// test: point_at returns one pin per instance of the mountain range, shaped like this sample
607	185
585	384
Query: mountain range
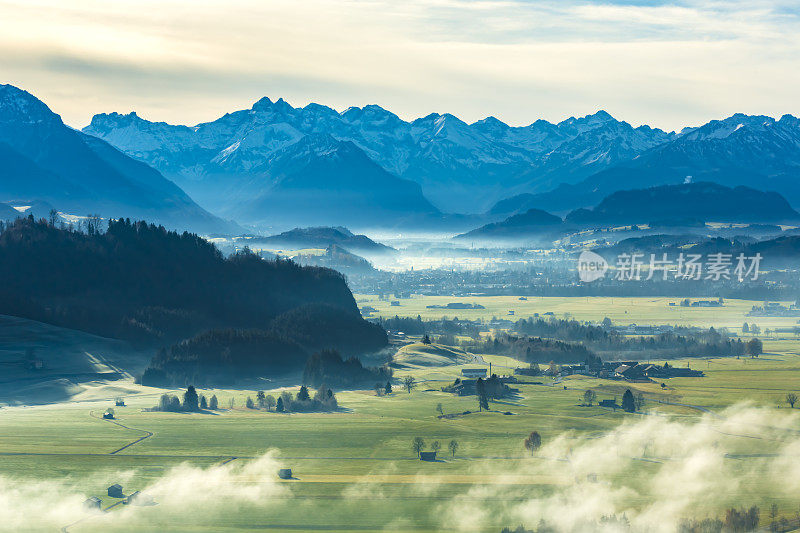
44	160
755	151
487	166
278	166
462	168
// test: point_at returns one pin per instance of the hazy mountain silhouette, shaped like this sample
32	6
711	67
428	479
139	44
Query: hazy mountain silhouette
43	159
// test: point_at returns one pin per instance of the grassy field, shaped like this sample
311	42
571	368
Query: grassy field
639	310
355	469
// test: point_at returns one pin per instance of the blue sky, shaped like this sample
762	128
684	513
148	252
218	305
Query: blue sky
667	64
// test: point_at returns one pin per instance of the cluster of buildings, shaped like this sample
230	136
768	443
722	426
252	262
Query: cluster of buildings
634	371
774	309
495	386
701	303
115	491
634	329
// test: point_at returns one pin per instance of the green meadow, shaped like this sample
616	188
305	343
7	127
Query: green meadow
638	310
355	470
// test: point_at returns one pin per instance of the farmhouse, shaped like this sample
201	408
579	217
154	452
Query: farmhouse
630	370
462	387
609	403
473	372
115	491
92	503
668	371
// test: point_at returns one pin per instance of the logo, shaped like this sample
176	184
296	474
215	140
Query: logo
591	266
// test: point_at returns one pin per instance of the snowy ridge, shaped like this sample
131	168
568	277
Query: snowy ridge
451	159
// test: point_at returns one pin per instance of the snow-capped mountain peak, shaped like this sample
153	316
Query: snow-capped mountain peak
440	151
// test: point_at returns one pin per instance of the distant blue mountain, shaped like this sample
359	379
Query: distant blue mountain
532	223
320	180
323	237
755	151
43	159
676	206
462	168
483	167
707	202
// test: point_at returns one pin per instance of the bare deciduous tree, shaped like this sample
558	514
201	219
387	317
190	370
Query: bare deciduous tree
418	445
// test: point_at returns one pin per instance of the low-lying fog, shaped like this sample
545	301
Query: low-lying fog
653	470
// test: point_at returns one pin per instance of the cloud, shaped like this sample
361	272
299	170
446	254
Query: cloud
665	63
184	494
651	473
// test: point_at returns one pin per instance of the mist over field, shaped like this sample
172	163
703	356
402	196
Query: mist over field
185	494
649	474
693	469
430	266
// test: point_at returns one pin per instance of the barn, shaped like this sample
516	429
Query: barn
92	503
285	473
115	491
427	456
473	372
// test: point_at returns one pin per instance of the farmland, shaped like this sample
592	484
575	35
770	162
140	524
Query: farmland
722	437
639	310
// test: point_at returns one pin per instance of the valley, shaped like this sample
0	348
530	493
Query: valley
502	267
355	469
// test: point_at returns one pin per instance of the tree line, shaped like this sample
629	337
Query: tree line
226	356
323	400
139	282
529	349
327	367
680	342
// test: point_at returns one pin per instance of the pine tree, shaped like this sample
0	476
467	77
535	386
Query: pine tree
280	407
480	390
628	402
203	402
214	403
303	395
190	400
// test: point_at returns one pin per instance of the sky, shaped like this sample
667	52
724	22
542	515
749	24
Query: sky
666	64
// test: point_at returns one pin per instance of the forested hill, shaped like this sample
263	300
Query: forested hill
142	283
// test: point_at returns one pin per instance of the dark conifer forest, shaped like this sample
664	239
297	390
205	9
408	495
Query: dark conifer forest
328	368
152	287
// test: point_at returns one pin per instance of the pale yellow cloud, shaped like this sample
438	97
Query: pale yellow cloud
666	64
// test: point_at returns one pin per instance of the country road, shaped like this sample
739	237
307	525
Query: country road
147	435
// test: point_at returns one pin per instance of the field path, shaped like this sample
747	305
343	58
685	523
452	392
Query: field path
147	434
